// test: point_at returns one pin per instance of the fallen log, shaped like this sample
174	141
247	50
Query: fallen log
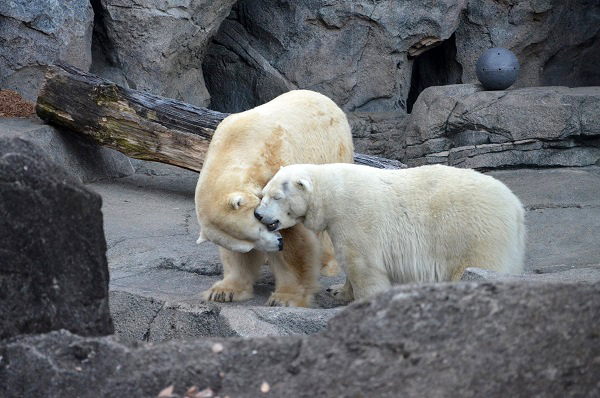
138	124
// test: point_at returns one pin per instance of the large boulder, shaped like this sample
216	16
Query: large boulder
156	45
462	339
53	269
461	125
356	52
34	34
557	42
76	154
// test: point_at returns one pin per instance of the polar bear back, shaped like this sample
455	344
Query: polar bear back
299	126
423	224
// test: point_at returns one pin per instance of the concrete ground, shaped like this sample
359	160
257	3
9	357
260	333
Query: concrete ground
157	270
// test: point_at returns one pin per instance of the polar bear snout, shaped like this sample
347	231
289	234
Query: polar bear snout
271	224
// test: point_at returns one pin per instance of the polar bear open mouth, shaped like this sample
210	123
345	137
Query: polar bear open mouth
273	226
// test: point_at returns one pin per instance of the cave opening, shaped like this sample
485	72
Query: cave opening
435	67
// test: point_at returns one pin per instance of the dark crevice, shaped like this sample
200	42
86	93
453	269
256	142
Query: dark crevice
101	44
435	67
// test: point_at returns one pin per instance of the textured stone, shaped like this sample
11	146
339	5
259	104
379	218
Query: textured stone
140	318
355	52
562	215
145	318
53	270
76	154
369	56
581	274
37	33
378	133
461	125
556	42
463	339
156	45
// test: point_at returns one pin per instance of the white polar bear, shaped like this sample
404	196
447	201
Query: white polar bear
246	150
425	224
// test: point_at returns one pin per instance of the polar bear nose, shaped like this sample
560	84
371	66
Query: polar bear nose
258	216
280	241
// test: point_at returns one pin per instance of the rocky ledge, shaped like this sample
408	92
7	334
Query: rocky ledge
465	126
469	339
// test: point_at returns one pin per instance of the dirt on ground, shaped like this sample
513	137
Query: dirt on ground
13	105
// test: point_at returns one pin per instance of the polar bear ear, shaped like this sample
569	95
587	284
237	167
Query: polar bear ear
304	184
236	200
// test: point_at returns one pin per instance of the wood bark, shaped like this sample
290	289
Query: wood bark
138	124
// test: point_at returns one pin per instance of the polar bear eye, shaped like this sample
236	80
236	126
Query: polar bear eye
278	196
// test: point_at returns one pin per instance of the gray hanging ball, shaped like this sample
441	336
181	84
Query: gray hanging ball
497	68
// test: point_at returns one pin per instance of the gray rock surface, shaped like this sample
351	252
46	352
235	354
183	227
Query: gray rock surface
562	215
461	125
355	52
367	56
156	45
378	133
557	42
36	33
143	318
76	154
431	340
53	269
589	273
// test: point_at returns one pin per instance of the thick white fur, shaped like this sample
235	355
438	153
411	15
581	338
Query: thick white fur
423	224
246	150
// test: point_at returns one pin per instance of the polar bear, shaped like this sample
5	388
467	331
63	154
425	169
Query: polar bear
246	150
425	224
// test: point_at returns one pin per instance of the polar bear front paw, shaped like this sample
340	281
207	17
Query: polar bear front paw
287	300
223	295
340	292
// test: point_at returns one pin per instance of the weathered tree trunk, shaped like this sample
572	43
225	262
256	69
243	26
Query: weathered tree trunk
138	124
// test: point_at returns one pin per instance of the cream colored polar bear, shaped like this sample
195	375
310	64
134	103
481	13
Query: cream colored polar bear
424	224
246	150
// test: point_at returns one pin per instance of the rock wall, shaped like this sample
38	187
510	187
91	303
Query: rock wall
374	56
367	56
356	52
557	42
36	33
156	45
374	59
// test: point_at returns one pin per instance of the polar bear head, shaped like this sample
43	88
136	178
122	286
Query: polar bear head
285	198
227	219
